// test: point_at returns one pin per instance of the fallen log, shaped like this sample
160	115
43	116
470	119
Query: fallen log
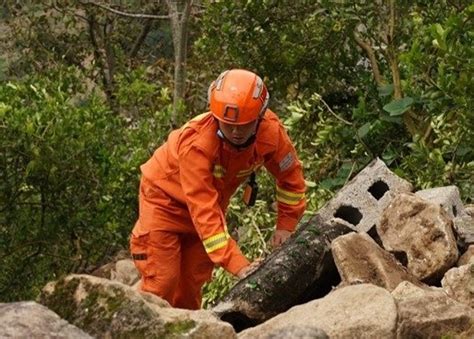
300	270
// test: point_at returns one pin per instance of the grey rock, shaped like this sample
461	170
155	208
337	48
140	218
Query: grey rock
296	332
448	197
360	260
429	313
467	257
27	319
105	308
358	311
422	231
458	283
464	227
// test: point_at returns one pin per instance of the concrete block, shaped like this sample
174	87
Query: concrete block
448	197
362	201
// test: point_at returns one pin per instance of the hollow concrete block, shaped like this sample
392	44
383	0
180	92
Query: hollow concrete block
362	201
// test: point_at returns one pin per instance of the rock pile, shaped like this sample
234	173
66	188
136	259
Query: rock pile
404	264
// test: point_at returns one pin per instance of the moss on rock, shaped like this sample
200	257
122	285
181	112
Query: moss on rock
179	327
108	309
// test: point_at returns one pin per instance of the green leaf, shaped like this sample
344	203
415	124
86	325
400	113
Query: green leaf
362	131
439	30
331	184
396	119
463	150
399	106
385	90
3	109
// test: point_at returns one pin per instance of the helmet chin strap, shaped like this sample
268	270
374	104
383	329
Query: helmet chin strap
246	144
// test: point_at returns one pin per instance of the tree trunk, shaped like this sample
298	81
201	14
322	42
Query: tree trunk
301	270
179	11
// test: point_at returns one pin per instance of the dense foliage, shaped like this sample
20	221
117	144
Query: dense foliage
69	172
84	101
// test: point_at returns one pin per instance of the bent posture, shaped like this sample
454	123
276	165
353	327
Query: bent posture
186	186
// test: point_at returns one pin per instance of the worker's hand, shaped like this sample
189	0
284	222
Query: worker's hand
243	272
279	237
249	269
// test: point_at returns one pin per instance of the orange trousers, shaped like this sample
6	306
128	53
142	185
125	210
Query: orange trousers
172	265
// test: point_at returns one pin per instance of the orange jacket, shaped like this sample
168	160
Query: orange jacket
198	173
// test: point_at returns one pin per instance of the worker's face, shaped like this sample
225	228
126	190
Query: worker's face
238	134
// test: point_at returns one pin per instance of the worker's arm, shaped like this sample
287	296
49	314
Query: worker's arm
285	166
209	220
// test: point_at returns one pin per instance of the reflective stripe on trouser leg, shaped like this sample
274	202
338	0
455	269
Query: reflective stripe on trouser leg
196	269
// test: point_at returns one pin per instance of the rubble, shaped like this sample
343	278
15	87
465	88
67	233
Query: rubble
421	231
362	201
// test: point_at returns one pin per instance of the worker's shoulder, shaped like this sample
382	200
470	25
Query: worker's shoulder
200	132
269	129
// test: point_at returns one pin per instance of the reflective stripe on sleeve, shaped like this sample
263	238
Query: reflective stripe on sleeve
216	241
219	171
244	173
289	198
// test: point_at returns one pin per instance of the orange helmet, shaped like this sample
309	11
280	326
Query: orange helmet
238	97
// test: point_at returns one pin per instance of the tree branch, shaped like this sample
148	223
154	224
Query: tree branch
125	14
391	22
332	112
371	55
98	56
141	38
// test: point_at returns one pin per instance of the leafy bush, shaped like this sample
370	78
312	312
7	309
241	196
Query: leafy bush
69	179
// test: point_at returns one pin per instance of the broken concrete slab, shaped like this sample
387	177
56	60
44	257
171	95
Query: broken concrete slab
448	197
458	283
362	200
429	313
360	260
422	231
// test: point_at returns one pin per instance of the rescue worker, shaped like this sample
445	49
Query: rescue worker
186	185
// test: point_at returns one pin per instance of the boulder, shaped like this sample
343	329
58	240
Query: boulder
469	208
358	311
121	269
429	313
458	283
464	227
125	272
448	197
105	308
422	233
360	260
27	319
467	257
292	331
